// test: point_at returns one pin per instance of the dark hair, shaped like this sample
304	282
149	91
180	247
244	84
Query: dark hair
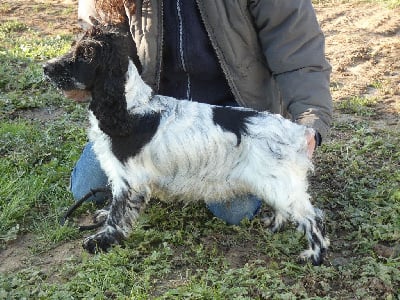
115	11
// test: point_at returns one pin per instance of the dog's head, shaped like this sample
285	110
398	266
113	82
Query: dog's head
101	54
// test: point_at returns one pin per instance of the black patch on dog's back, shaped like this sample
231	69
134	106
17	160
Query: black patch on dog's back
232	119
142	130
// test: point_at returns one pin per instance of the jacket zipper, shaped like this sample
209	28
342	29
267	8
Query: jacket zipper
160	13
235	92
181	54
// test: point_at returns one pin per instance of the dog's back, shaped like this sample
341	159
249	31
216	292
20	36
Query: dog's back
192	151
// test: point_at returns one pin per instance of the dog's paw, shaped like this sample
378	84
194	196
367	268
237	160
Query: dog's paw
274	222
102	241
315	257
100	216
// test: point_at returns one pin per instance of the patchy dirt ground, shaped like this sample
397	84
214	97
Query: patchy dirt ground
47	17
362	44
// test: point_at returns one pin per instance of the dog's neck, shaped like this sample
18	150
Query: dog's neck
137	92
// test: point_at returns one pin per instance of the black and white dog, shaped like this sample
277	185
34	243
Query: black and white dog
157	146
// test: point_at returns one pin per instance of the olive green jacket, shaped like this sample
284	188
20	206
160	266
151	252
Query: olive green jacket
271	51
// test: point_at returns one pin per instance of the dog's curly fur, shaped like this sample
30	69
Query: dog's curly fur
157	146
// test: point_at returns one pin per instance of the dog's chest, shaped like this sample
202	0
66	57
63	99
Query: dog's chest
141	132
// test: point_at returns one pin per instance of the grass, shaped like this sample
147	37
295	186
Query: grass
180	252
389	3
360	106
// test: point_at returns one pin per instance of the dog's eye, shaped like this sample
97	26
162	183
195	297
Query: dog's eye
85	54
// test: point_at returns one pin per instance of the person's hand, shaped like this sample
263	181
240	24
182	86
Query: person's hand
311	143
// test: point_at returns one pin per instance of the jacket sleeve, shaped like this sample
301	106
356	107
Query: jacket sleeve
294	46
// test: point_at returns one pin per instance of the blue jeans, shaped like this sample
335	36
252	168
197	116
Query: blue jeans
88	175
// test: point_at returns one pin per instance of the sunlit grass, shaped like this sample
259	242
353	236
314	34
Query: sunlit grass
362	106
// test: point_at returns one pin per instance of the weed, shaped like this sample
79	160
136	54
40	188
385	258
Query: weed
21	80
12	26
361	106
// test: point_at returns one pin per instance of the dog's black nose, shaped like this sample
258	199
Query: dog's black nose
46	68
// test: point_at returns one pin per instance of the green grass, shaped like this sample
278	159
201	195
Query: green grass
21	80
34	162
35	156
180	252
389	3
360	106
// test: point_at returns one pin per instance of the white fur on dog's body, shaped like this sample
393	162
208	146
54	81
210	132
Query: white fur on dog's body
189	147
191	158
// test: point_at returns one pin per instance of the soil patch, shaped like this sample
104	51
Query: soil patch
47	17
19	254
363	46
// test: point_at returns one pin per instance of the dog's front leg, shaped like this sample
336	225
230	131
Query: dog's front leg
124	210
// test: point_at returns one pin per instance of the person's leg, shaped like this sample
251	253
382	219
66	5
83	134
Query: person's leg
237	209
88	175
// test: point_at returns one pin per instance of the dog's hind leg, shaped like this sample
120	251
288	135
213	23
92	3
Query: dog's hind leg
314	229
124	210
294	204
310	222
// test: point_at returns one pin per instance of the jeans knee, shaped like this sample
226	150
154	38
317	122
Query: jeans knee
233	212
87	175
